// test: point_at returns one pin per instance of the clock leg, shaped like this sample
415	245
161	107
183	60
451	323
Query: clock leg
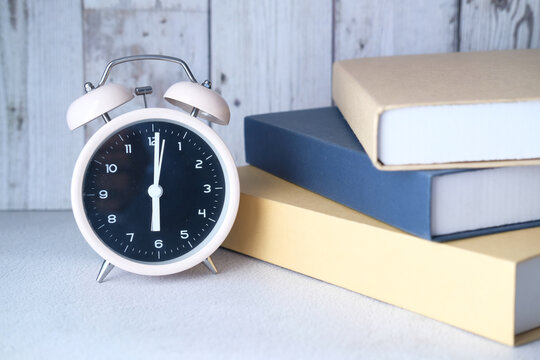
210	265
106	268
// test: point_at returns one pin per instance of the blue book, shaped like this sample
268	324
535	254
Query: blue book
316	149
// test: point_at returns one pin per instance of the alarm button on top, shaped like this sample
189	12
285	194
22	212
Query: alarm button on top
96	103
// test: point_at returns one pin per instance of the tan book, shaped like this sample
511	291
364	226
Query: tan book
456	110
487	285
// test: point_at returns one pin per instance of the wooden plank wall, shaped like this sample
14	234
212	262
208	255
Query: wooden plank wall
40	72
269	56
263	56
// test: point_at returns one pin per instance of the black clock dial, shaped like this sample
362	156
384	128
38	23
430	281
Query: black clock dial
154	191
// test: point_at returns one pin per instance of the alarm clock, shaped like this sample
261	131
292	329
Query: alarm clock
154	191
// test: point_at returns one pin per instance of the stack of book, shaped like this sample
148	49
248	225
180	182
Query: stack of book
420	189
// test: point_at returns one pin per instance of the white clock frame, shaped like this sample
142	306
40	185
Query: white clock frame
223	224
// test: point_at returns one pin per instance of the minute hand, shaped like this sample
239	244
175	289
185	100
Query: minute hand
156	158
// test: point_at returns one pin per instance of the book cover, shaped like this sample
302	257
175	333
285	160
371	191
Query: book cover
436	111
317	150
486	285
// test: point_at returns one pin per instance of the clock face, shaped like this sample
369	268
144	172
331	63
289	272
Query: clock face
154	191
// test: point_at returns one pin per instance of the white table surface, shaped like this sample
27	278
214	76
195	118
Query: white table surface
51	307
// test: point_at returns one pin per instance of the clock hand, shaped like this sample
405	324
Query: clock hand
155	191
160	162
156	158
156	224
156	214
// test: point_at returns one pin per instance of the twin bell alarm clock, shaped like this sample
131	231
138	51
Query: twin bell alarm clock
154	191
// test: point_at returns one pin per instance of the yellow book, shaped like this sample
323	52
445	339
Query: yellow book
487	285
438	111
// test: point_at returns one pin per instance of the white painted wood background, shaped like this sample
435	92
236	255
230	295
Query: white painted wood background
264	55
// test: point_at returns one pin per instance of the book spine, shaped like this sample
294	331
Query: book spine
401	199
359	109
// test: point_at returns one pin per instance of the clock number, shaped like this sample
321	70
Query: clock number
202	212
179	146
131	235
158	244
184	234
111	168
103	194
111	219
128	148
198	164
151	140
207	188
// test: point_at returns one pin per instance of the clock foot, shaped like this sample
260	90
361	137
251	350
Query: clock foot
210	265
106	268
